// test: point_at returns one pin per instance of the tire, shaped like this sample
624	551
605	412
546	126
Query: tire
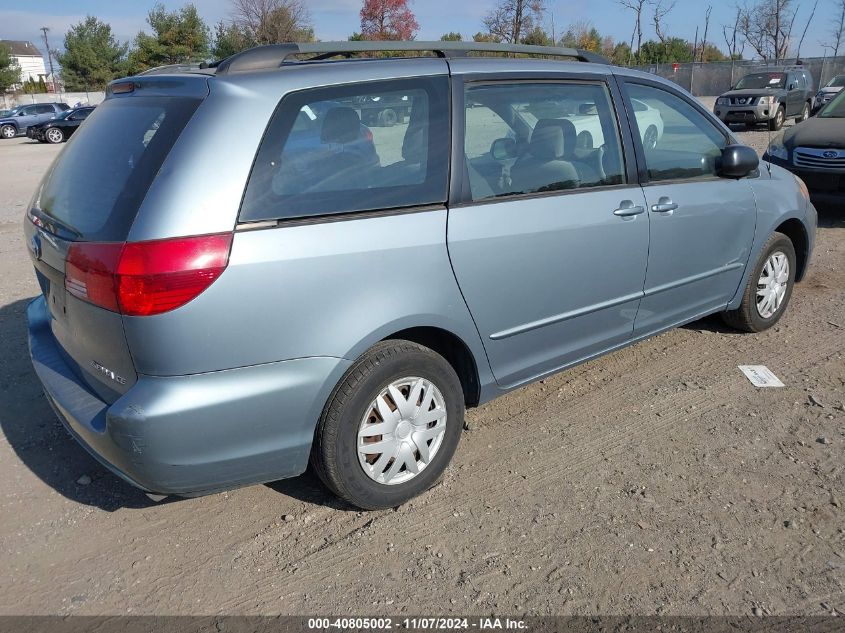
749	317
776	122
805	113
387	117
335	455
54	136
8	131
650	138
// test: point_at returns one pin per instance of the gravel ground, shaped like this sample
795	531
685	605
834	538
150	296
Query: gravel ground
653	480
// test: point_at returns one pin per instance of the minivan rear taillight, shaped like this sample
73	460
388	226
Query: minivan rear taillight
145	278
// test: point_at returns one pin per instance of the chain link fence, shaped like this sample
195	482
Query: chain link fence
715	78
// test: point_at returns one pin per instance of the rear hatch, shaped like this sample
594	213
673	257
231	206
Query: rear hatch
83	210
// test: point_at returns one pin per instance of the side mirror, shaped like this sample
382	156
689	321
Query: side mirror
21	113
738	161
503	149
793	86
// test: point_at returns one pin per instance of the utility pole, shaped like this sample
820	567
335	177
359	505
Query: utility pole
45	29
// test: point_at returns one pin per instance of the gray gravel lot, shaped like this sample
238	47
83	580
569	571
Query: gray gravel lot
653	480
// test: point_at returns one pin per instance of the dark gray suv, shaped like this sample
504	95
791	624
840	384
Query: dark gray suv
770	96
223	303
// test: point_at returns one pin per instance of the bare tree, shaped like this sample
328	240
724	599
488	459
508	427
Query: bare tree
660	12
767	27
637	6
804	34
736	46
706	28
273	21
837	32
512	19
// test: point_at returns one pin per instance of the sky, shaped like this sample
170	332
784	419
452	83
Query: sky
337	19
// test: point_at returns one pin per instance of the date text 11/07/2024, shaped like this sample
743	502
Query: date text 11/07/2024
417	624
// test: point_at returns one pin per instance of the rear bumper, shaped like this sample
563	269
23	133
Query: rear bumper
192	434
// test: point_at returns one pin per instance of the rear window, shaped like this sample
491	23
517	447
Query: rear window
95	187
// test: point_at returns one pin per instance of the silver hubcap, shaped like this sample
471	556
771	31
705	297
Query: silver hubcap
402	430
771	287
8	131
54	135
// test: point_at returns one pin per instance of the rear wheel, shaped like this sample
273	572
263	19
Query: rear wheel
776	122
769	287
390	427
8	131
54	135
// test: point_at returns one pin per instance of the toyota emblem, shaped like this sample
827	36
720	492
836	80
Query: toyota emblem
35	247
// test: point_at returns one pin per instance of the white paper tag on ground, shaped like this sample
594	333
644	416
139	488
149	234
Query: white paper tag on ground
760	376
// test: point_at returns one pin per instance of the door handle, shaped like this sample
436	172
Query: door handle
628	208
664	205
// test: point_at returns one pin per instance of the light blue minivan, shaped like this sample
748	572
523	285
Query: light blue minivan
239	276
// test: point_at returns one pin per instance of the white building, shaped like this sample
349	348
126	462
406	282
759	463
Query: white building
29	58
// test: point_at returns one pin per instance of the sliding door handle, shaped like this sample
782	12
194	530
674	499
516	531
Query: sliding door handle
664	205
628	208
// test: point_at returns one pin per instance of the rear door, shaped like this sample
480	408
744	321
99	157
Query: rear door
44	112
91	195
548	236
701	225
26	116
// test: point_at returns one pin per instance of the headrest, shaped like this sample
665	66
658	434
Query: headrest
414	147
341	125
546	142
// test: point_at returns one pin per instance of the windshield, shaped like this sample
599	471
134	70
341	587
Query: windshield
762	80
836	108
836	82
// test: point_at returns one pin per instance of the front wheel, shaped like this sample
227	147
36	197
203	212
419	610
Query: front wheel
776	122
390	427
54	135
650	138
8	131
769	287
805	114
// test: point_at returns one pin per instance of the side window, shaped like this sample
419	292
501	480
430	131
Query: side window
536	137
28	111
44	109
678	141
357	147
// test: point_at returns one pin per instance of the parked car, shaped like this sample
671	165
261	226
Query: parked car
815	151
825	95
769	96
61	128
22	117
4	113
204	327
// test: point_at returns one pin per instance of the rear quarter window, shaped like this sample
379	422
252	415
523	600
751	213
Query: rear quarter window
356	147
94	188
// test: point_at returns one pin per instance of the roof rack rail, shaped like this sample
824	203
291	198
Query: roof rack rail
274	55
171	68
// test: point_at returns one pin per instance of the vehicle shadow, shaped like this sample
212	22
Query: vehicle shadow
36	435
308	488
